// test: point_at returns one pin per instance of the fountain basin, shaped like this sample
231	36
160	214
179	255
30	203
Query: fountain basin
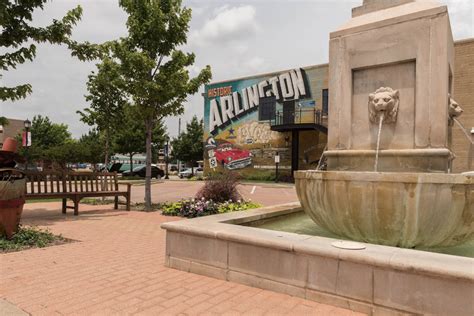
396	209
376	280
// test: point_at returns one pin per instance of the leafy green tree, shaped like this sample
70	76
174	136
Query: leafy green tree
44	135
129	139
188	147
70	152
89	148
107	98
47	134
155	70
18	38
92	147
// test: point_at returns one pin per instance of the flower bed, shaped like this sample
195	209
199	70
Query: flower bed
201	207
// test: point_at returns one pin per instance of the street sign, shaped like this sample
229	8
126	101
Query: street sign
213	163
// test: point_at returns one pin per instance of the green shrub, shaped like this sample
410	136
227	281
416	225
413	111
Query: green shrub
260	176
267	176
172	209
228	207
29	237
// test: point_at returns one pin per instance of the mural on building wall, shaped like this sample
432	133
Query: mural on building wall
237	131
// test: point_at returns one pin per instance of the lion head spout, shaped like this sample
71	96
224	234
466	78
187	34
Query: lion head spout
384	101
454	109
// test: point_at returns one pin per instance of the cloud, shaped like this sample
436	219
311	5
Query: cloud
461	13
237	38
228	24
253	64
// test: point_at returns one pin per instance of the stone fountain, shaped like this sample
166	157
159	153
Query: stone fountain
388	184
391	72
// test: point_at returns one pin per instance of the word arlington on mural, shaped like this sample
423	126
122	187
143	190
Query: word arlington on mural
286	86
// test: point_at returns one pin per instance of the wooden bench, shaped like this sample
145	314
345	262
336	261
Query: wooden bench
74	186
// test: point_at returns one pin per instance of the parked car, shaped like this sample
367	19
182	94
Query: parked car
141	171
112	167
233	158
188	172
31	167
173	168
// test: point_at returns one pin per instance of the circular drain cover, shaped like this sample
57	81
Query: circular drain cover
350	245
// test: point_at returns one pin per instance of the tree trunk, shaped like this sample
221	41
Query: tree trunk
131	163
148	128
106	169
106	150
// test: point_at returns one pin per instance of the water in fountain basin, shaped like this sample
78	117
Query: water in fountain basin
300	223
378	143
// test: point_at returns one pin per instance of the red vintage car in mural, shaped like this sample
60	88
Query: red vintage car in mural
232	157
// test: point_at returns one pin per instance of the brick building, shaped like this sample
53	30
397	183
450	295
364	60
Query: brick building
12	129
463	93
247	121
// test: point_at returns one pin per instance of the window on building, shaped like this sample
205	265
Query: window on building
266	109
325	100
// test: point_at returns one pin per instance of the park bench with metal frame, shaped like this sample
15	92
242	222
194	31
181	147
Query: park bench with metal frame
75	186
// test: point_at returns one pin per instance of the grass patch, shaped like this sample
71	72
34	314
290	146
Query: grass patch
30	237
141	207
42	200
132	178
138	182
97	201
266	176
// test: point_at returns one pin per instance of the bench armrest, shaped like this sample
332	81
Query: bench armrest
128	184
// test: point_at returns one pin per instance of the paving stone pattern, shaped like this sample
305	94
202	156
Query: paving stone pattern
116	267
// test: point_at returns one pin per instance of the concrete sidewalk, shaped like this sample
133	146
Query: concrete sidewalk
117	267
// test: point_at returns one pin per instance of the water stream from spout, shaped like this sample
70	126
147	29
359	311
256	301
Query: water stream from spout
378	143
321	158
469	138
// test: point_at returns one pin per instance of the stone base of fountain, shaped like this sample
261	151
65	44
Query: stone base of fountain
376	280
396	209
391	160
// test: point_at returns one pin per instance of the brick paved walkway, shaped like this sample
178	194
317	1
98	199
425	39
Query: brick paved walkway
266	194
117	267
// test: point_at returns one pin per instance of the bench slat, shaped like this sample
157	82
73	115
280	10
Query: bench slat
38	181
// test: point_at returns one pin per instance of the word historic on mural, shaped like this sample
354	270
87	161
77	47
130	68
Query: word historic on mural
286	86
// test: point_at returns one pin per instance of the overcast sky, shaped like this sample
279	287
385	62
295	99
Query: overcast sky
237	38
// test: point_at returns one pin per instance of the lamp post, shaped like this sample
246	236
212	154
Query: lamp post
27	125
167	151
